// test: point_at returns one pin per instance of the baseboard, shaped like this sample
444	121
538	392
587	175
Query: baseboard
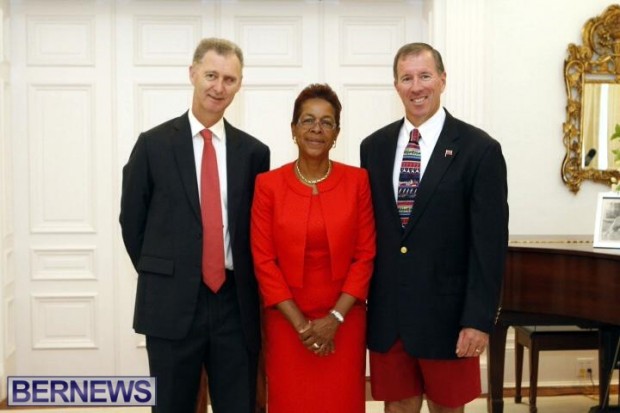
556	391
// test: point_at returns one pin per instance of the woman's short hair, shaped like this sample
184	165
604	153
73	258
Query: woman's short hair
317	91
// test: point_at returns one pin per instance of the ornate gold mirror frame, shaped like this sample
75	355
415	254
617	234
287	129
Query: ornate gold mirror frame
592	76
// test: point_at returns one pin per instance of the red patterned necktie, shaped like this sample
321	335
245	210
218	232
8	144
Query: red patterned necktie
213	270
409	177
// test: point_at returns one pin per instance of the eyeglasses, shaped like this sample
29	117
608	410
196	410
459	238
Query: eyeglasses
325	124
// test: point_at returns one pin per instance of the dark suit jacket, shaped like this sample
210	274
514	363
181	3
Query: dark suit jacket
162	228
442	272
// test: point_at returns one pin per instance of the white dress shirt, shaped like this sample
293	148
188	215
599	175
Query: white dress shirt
219	143
429	134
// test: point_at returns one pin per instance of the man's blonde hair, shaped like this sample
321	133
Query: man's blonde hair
220	46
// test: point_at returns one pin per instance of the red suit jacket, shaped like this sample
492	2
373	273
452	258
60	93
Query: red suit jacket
278	232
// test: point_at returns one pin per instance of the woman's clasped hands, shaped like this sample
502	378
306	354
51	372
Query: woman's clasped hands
318	335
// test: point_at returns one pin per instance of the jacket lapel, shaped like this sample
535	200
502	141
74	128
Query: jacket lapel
385	168
236	176
446	150
183	148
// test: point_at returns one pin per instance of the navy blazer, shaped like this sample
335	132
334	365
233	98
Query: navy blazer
162	228
444	270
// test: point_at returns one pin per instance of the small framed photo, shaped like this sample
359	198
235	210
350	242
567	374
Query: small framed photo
607	224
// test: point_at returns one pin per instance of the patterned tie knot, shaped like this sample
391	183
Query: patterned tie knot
415	136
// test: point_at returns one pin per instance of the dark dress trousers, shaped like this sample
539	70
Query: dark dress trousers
444	270
162	231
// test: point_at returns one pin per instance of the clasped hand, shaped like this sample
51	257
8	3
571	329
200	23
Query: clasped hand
318	335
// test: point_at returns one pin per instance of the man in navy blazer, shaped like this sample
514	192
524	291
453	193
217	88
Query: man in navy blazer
435	290
187	324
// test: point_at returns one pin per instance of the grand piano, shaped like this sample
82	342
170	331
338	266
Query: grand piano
558	281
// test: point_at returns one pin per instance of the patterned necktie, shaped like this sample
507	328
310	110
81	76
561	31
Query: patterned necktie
213	270
409	177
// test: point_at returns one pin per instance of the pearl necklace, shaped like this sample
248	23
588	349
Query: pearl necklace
312	181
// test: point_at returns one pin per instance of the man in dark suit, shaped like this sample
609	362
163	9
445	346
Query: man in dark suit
188	324
440	200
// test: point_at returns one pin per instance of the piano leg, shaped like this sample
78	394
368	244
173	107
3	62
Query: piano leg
495	363
607	361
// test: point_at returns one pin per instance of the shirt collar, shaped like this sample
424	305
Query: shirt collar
429	130
217	129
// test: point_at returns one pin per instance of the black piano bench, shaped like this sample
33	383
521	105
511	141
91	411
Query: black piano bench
541	338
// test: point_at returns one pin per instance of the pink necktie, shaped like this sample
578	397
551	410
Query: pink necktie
213	270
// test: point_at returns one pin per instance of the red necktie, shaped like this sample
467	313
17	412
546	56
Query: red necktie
213	271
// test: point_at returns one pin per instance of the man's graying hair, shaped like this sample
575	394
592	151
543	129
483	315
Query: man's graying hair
220	46
415	49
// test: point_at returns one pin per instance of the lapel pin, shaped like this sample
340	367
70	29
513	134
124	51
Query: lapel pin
448	153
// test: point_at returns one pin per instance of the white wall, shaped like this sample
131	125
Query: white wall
527	44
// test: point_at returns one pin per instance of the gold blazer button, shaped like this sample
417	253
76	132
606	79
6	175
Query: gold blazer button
403	250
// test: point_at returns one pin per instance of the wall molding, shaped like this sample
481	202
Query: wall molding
64	321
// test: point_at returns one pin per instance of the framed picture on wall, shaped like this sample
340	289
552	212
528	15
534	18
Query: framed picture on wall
607	224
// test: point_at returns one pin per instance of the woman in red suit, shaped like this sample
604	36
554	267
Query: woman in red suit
313	242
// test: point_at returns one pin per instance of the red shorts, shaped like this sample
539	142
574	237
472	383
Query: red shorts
396	375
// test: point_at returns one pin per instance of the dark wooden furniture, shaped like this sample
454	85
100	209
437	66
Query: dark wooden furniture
558	282
543	338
